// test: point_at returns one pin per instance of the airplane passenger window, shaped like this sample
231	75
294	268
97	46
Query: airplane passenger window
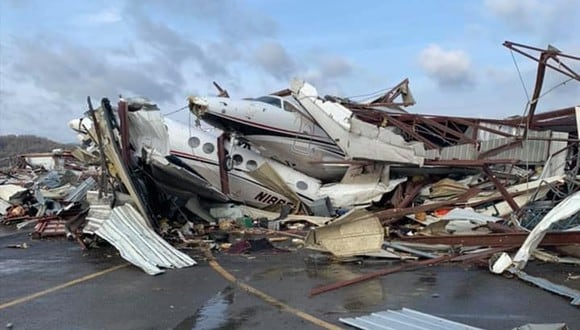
238	159
193	142
270	100
251	165
208	148
301	185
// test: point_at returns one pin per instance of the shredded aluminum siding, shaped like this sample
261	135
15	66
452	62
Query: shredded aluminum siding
81	191
129	232
549	286
404	319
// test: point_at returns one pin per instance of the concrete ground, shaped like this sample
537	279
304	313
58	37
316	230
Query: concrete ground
199	298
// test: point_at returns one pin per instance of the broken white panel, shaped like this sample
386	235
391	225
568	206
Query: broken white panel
3	206
359	188
356	138
269	177
536	189
556	164
147	129
129	232
355	233
543	326
8	191
564	210
194	206
470	215
233	211
503	208
57	193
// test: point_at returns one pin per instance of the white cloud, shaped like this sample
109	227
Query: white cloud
547	19
274	59
105	16
450	68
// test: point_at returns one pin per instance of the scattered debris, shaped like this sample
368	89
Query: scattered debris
404	318
350	179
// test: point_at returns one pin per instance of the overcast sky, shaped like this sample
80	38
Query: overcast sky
53	54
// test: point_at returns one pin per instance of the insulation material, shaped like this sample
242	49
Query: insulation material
355	233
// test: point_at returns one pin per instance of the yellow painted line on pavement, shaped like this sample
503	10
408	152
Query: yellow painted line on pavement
60	287
269	299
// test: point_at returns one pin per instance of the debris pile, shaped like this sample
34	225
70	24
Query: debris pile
352	179
46	191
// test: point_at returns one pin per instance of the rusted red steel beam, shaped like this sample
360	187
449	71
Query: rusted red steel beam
445	129
510	44
508	198
386	271
481	127
387	216
469	162
411	193
123	110
409	130
544	57
552	53
496	240
224	176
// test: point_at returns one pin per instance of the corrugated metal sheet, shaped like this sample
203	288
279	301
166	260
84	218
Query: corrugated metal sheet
404	319
129	232
549	286
81	190
535	151
98	214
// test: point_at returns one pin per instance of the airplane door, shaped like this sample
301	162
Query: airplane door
302	143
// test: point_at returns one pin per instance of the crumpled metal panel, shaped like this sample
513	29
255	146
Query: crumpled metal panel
81	190
549	286
3	206
139	244
404	319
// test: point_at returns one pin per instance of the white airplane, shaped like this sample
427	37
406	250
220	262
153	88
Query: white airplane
292	130
185	161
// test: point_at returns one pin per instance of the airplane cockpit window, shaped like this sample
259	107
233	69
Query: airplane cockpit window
270	100
289	107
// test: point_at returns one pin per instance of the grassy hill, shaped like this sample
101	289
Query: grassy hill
12	145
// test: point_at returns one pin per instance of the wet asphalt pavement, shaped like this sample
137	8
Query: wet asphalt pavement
199	298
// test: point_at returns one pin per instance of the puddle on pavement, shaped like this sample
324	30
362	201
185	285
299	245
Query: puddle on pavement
428	279
214	314
279	273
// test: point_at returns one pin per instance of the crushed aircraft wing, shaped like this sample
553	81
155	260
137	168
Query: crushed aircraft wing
357	138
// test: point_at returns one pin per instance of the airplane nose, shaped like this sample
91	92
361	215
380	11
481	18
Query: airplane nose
74	124
197	105
80	125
